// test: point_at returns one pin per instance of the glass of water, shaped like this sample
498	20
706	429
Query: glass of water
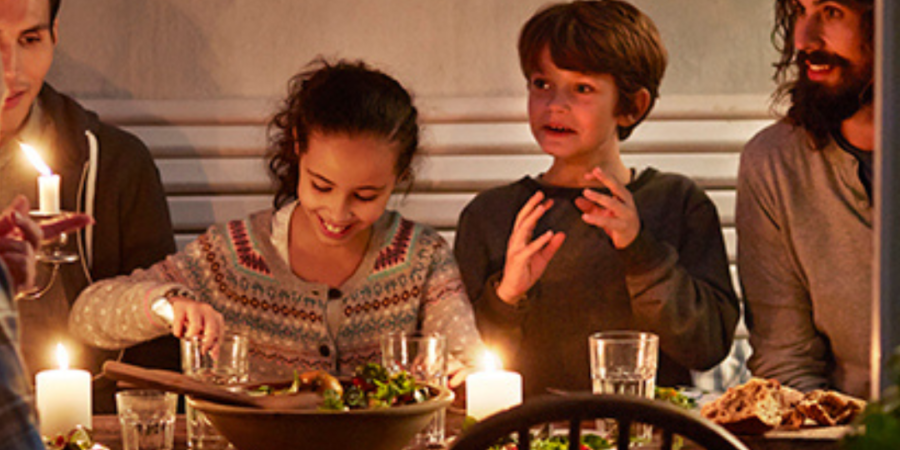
147	418
624	362
227	365
424	357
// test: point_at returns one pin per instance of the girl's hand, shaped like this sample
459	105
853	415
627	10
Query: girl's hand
527	259
456	372
193	318
615	213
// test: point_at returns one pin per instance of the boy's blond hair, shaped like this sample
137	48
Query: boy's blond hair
601	37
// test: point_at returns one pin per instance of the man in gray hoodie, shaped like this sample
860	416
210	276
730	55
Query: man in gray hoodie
105	172
805	208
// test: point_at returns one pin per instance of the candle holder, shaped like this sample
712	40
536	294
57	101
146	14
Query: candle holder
51	251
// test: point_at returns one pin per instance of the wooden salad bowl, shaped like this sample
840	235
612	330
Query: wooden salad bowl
251	428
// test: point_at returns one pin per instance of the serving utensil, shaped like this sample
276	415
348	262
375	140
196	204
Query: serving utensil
182	384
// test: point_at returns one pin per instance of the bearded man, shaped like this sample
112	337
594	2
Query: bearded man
805	207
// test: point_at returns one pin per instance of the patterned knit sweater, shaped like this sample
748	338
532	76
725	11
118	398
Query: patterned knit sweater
407	281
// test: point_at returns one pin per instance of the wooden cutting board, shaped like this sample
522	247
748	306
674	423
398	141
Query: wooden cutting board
812	433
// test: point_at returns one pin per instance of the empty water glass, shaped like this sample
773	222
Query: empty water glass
624	362
147	419
424	357
227	365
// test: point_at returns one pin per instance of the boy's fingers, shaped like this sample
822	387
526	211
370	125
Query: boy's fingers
607	203
528	207
618	190
531	220
537	244
525	223
555	243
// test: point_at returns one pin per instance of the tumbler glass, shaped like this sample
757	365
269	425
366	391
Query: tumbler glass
227	365
424	357
624	362
147	418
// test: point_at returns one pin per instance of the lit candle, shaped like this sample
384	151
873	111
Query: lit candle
492	390
63	397
48	183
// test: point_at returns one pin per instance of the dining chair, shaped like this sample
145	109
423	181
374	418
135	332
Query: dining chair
575	408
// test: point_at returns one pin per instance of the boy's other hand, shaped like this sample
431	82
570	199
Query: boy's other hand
526	259
616	214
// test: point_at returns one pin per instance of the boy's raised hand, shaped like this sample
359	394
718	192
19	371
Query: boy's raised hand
526	259
615	213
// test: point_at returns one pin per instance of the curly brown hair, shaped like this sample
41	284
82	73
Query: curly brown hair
346	98
602	36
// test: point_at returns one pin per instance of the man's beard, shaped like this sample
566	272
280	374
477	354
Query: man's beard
821	108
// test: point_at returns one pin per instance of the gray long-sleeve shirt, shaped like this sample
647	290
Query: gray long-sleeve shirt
672	280
805	247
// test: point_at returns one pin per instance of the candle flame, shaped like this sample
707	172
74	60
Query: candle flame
62	357
36	159
490	361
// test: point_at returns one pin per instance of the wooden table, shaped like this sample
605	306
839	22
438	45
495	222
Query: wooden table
107	432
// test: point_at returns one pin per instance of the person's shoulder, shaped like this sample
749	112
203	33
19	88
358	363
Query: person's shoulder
502	198
112	138
670	191
775	141
653	179
243	234
69	113
399	229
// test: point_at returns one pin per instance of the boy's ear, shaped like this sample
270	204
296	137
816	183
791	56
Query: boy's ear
640	104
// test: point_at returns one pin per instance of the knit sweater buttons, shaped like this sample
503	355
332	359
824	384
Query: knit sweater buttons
325	350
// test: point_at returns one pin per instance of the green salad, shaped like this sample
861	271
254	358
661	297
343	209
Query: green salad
373	387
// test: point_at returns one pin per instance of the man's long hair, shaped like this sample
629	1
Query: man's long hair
807	108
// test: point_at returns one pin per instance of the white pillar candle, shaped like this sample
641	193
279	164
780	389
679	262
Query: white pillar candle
63	398
492	390
48	183
48	194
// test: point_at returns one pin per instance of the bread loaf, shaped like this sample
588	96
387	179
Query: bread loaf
761	405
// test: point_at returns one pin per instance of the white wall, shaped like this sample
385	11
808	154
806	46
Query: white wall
215	49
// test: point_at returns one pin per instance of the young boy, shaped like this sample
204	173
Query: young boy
591	245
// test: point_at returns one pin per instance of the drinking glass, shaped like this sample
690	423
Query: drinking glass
228	365
624	362
147	418
424	357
